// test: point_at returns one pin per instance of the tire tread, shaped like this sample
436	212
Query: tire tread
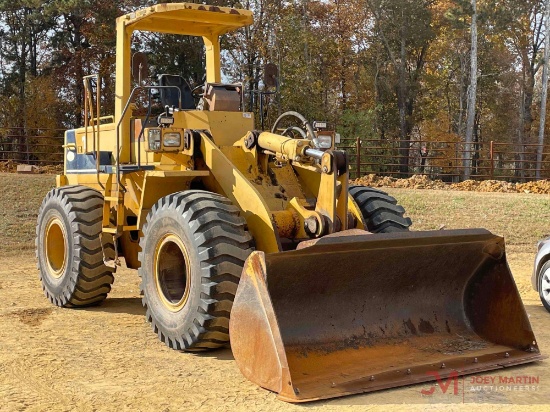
90	279
380	211
223	245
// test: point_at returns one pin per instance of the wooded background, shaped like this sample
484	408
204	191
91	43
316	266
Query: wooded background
394	72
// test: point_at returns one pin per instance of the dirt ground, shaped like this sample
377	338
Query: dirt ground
107	358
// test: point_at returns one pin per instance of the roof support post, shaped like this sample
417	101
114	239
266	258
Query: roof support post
123	84
213	65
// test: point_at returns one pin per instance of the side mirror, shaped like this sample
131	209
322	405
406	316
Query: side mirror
271	75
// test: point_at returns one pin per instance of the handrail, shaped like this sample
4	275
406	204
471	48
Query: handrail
110	117
88	100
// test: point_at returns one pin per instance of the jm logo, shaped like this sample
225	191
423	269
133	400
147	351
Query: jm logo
443	383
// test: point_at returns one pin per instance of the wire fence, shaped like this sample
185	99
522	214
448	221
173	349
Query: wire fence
436	159
31	146
444	160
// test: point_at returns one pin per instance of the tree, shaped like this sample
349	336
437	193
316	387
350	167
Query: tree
83	43
521	24
20	37
544	92
470	118
404	27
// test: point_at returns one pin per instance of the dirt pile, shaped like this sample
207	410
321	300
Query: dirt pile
485	186
413	182
541	186
419	182
9	166
424	182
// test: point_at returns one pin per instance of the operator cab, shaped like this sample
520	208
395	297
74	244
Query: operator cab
170	96
206	96
175	92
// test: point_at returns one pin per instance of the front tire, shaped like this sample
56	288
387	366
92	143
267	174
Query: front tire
193	250
68	247
544	285
380	211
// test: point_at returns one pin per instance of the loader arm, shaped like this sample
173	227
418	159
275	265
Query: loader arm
239	189
324	173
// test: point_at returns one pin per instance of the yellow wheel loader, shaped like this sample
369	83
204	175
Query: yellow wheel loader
254	238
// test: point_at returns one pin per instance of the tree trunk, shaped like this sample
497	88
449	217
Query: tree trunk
402	107
76	22
462	101
22	104
378	125
472	91
518	157
526	116
544	95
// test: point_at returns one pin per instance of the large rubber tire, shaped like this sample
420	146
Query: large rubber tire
193	249
544	285
380	211
68	247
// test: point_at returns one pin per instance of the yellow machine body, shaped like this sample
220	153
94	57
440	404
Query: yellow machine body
346	314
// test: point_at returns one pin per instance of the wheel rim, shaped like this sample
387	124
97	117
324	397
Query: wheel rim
170	272
545	285
55	245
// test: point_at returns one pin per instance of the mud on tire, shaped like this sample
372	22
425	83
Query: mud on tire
193	250
380	211
68	247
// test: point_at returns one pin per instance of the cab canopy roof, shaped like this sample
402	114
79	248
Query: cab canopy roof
187	19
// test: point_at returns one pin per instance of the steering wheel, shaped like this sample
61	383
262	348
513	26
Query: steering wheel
198	91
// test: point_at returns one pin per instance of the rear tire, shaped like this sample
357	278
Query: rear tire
68	247
193	250
380	211
544	285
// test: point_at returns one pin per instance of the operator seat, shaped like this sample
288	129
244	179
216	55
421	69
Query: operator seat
169	97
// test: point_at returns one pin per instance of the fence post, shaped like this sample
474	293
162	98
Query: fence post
358	158
492	159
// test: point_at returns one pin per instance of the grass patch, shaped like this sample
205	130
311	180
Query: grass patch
20	198
522	219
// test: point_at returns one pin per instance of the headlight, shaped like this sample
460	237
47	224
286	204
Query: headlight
323	142
154	139
172	139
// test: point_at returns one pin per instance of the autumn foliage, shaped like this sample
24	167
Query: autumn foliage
396	71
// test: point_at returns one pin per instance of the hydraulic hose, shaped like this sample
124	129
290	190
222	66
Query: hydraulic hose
304	121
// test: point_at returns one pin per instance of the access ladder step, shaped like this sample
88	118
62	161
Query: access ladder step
112	199
114	230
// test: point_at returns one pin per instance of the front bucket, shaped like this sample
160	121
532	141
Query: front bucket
361	313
